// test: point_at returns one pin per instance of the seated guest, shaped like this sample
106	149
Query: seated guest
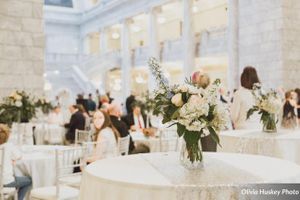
136	120
56	117
297	90
103	100
86	117
115	114
106	135
129	101
105	107
77	121
289	118
21	183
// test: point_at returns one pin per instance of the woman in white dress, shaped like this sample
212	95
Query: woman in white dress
106	137
243	100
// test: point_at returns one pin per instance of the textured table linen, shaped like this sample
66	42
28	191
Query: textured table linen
159	176
285	144
38	162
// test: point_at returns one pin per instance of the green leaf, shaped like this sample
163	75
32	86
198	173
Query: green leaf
175	115
251	111
191	137
214	135
166	120
180	129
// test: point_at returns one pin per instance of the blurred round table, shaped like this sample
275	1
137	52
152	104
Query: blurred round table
155	143
285	144
159	176
38	162
49	133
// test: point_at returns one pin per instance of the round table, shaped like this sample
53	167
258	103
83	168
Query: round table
155	143
38	162
159	176
285	144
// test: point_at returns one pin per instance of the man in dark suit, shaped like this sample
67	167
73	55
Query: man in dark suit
84	102
135	120
77	121
115	114
129	101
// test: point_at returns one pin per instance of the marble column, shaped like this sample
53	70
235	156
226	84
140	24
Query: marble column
153	43
233	49
103	41
126	59
188	39
86	45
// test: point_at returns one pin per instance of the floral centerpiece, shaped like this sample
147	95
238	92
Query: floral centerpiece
44	105
196	112
268	104
18	107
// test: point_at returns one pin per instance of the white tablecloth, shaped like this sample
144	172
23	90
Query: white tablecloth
159	176
38	162
285	144
49	133
166	144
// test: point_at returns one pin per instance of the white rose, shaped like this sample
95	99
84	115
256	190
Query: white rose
177	100
18	103
18	97
183	88
13	94
195	100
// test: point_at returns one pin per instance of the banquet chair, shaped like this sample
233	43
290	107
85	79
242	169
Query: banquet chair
5	192
123	145
82	136
168	140
66	160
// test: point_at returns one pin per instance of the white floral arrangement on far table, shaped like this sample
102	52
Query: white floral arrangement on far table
268	104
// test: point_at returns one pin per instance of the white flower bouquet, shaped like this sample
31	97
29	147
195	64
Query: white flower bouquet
17	107
196	112
268	104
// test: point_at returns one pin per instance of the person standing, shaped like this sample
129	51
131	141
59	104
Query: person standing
77	121
289	118
244	100
91	104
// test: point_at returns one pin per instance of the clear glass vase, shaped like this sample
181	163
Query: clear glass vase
269	125
191	156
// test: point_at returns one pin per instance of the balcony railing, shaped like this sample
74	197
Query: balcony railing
212	42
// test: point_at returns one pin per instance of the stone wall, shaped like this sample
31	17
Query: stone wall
269	40
291	43
21	46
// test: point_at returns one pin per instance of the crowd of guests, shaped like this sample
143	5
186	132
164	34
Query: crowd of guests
108	120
